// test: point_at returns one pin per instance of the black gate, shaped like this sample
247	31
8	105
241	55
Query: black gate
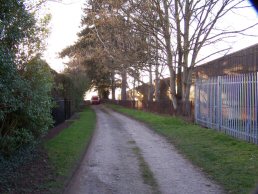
61	111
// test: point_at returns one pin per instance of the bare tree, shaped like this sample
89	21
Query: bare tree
197	25
154	18
184	28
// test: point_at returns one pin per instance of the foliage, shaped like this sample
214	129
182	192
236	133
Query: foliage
106	45
11	100
231	162
79	84
37	111
89	64
16	21
9	165
10	84
67	147
22	30
71	85
25	104
25	80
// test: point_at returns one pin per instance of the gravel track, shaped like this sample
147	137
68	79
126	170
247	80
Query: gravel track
111	166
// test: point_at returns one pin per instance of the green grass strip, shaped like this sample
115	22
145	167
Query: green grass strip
230	162
66	149
146	172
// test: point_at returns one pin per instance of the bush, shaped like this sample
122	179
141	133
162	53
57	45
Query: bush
11	86
10	165
71	85
25	80
25	103
37	110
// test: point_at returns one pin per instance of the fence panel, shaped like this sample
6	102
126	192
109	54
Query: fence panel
229	104
206	105
61	111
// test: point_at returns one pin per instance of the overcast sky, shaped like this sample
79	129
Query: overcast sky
64	27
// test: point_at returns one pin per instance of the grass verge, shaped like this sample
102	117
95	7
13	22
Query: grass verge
230	162
67	148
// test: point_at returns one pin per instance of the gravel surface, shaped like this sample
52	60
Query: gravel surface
111	166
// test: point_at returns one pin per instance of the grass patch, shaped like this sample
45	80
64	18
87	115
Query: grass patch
66	149
147	174
232	163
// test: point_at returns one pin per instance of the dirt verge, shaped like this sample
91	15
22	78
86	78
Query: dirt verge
35	174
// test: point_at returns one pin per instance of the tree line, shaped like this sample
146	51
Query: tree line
122	39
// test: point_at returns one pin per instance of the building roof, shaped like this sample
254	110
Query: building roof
242	61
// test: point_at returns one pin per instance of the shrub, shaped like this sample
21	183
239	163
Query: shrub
25	80
25	103
37	110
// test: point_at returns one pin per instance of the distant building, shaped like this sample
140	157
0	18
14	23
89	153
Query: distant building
240	62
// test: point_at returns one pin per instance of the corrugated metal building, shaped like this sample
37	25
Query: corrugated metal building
240	62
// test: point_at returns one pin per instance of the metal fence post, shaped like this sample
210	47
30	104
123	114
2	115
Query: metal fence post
196	99
219	104
256	107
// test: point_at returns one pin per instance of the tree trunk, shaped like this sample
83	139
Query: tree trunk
150	92
157	79
157	84
166	29
186	91
172	87
186	72
124	83
180	52
179	82
113	89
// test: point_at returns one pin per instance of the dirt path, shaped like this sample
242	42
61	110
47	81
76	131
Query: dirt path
112	166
